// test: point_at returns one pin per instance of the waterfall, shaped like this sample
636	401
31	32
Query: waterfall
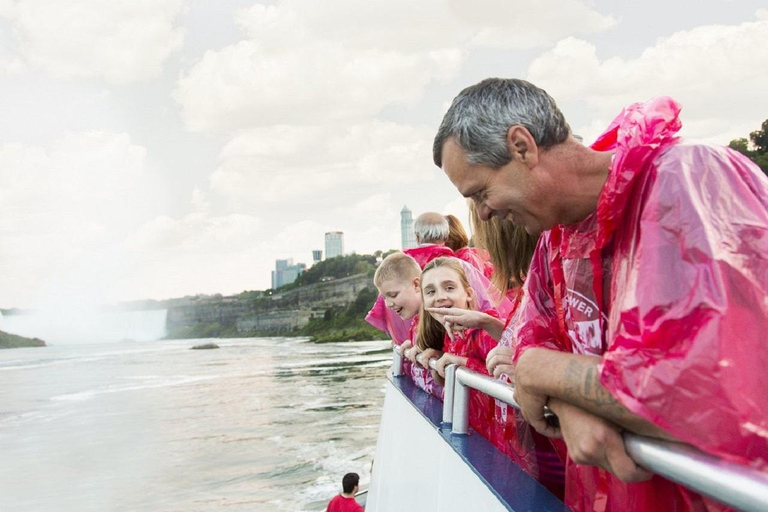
87	326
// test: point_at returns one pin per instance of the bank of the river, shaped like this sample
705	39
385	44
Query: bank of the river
321	330
327	303
13	341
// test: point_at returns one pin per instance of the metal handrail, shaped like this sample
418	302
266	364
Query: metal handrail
450	371
733	484
736	485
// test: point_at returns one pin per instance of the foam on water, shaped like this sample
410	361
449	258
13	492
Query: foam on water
158	383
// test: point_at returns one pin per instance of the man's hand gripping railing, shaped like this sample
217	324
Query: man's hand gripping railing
733	484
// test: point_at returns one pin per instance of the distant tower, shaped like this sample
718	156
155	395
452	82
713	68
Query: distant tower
334	244
406	228
317	256
286	272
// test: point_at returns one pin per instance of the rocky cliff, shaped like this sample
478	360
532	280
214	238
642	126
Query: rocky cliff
276	313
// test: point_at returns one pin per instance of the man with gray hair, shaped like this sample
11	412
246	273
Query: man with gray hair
431	230
645	299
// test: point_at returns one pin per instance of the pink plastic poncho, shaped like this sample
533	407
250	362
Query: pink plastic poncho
421	376
500	426
478	258
474	344
535	453
423	254
667	282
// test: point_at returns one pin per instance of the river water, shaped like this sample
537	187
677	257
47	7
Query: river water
260	424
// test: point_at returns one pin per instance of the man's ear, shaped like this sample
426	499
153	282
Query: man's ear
521	146
416	283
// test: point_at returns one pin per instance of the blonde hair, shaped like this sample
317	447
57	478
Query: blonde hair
397	266
457	237
510	247
432	332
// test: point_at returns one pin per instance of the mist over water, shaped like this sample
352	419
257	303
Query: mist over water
259	424
87	325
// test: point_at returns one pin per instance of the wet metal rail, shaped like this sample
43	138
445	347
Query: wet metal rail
733	484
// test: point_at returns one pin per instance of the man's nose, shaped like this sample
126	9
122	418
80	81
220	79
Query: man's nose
483	211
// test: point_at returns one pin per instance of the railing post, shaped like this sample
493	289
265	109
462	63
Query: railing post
460	425
448	390
397	362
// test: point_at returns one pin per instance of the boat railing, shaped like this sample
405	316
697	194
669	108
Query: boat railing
736	485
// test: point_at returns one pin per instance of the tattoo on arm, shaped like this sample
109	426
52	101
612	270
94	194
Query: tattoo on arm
582	387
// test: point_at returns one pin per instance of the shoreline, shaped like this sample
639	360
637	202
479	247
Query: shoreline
8	340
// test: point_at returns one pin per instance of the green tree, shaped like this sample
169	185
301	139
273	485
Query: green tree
335	268
757	140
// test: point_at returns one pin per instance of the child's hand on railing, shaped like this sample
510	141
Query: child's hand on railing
426	355
410	352
500	362
447	359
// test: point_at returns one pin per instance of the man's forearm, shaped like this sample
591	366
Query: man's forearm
574	379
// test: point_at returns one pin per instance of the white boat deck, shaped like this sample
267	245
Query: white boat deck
420	467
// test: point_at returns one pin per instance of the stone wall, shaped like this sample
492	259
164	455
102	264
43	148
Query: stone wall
286	311
275	321
338	292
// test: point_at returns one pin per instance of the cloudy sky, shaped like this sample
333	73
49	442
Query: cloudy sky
160	148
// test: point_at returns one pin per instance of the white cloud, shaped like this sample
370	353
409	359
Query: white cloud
307	62
295	163
64	211
716	72
459	208
297	241
419	26
199	202
248	84
200	252
6	8
195	232
120	41
10	64
372	223
519	25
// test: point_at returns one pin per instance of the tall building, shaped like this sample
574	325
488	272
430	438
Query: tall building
286	272
317	256
406	228
334	244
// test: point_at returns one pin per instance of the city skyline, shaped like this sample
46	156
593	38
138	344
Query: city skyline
160	149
